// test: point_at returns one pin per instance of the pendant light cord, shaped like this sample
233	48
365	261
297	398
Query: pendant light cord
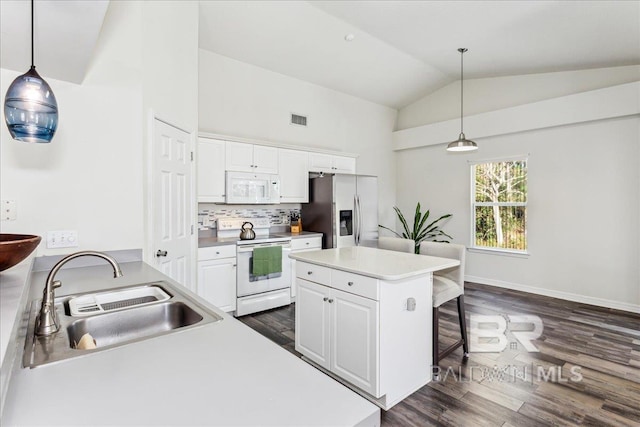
461	91
32	66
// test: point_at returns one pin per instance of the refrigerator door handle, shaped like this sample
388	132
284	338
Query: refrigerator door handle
358	217
359	220
356	225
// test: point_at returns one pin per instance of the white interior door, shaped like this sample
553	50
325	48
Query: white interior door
171	202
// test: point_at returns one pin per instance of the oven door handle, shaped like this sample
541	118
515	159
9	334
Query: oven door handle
250	248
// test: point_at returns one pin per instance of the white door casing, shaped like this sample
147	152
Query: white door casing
171	202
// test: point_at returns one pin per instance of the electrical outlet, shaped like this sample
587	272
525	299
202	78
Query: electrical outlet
8	209
62	239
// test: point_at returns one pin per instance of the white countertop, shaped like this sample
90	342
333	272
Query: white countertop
373	262
12	286
13	296
222	374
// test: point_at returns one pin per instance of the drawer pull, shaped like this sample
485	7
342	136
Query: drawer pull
307	243
350	283
217	253
309	273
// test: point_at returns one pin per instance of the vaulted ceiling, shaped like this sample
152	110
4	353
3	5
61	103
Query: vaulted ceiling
401	50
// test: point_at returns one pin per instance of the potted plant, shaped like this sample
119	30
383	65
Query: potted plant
421	230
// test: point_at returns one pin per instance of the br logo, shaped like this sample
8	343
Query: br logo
488	333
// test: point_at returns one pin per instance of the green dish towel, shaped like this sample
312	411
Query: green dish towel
267	260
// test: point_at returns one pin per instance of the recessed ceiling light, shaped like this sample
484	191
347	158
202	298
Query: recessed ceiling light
349	37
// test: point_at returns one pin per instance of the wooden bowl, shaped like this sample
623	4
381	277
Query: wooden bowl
14	248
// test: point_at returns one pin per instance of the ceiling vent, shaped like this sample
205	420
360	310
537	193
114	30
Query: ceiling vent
298	120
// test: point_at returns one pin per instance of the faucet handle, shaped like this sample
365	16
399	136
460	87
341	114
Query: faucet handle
56	284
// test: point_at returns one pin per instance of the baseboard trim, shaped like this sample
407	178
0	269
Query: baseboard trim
600	302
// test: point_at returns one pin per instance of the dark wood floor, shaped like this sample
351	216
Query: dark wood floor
516	387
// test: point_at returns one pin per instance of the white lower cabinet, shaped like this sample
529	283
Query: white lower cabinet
217	276
302	244
339	331
371	334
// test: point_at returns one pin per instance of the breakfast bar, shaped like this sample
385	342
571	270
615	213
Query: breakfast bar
363	316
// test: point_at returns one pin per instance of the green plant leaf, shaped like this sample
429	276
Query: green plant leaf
402	220
420	230
387	228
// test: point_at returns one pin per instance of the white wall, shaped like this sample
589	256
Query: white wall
170	61
489	94
584	205
243	100
91	177
169	93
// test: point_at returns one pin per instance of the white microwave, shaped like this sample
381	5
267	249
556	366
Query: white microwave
245	188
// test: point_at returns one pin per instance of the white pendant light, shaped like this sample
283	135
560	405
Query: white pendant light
30	107
462	143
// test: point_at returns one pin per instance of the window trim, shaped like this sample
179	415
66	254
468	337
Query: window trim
472	196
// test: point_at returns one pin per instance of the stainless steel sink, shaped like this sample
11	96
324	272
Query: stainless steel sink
128	325
116	328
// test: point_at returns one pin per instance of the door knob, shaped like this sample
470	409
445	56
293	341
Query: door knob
161	253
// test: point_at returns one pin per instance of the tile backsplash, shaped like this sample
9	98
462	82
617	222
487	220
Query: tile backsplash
278	214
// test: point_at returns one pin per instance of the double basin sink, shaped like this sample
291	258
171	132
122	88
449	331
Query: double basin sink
112	318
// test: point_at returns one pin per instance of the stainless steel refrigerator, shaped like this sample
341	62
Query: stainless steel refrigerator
344	208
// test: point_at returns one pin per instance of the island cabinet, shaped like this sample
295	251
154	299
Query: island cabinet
373	335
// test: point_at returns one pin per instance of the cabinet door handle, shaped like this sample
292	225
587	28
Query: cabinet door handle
325	299
161	253
350	283
330	300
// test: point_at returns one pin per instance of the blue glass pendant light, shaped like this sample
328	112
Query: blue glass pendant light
30	107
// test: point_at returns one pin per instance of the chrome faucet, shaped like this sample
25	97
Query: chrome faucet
48	323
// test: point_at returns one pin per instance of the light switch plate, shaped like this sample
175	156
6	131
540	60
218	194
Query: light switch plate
8	209
62	239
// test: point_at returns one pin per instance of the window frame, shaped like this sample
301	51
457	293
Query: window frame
495	250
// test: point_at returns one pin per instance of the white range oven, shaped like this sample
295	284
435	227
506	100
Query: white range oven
258	292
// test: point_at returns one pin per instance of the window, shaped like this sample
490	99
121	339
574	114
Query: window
499	199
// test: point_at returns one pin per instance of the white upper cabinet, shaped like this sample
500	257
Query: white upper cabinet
211	167
251	158
344	164
293	166
331	164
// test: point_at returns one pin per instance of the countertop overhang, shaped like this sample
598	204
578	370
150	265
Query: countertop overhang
378	263
220	374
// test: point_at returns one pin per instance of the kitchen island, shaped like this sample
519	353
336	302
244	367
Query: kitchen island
218	374
364	317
